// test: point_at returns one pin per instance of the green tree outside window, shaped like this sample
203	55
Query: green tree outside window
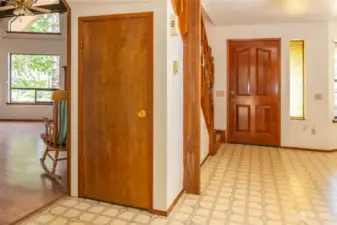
34	72
45	23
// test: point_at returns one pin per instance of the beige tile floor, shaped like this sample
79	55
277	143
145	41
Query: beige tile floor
240	185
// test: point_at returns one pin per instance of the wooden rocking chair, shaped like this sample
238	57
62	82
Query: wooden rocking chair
55	136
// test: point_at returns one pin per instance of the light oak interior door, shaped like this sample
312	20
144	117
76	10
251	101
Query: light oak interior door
116	69
254	92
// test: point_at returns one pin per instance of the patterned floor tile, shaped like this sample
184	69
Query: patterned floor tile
243	185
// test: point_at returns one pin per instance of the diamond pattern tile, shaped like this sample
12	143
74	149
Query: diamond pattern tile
244	185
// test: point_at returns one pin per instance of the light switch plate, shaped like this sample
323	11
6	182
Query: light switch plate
318	96
175	67
174	27
220	93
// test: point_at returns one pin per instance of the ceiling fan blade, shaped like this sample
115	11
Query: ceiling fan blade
7	8
28	12
9	1
40	9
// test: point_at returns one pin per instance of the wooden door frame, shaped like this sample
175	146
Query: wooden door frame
279	40
81	20
68	81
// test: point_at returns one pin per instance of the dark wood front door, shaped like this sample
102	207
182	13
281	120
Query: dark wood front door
254	92
115	79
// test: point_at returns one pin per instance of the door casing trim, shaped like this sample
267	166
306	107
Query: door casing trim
69	95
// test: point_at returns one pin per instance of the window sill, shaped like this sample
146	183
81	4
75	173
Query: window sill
28	103
33	33
297	118
27	35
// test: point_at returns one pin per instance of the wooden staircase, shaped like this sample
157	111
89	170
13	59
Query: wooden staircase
198	89
207	85
207	70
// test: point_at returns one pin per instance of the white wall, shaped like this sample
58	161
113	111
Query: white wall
318	74
160	87
331	42
35	44
209	26
175	123
204	138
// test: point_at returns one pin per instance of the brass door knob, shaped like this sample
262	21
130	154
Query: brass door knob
142	114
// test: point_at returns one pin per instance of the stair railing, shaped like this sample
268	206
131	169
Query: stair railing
207	87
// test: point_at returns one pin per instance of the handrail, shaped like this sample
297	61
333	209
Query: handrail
207	84
181	10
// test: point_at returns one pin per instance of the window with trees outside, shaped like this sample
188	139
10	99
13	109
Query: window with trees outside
44	23
297	79
33	78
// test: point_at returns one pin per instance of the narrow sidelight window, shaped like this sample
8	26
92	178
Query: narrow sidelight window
335	83
297	79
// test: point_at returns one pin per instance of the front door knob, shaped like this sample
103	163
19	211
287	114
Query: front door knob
232	96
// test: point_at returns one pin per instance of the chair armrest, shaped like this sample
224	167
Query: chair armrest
49	129
46	120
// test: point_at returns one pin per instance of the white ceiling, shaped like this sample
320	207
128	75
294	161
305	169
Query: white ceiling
237	12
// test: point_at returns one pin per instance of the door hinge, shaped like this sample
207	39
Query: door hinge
82	44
